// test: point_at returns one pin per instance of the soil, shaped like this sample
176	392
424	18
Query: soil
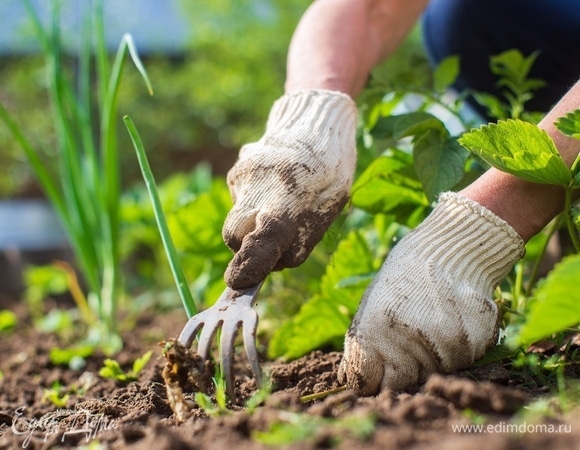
105	414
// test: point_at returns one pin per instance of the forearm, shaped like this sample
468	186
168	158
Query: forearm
567	147
528	207
338	42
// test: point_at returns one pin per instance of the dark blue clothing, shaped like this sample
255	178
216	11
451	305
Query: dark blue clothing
478	29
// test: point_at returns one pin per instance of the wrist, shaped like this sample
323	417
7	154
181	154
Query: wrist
467	241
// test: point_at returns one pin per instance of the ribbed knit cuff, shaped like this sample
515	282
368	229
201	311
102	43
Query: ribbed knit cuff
470	241
331	114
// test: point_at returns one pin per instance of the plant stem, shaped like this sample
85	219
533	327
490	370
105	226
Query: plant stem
554	226
517	290
178	275
572	229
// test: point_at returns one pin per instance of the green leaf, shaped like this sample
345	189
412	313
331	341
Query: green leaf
570	124
557	304
514	67
417	123
446	73
497	354
384	128
439	163
63	356
495	108
519	148
141	362
196	226
293	428
112	369
8	320
56	395
174	261
389	182
326	316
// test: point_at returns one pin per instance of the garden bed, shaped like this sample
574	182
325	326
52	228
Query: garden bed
137	414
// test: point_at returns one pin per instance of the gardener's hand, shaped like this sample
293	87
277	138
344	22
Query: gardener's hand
430	307
289	186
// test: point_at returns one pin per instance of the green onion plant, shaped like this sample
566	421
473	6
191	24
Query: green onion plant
81	176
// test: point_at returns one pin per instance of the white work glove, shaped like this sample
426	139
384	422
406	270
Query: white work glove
289	186
430	307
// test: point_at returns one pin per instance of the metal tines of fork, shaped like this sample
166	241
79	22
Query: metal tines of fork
232	311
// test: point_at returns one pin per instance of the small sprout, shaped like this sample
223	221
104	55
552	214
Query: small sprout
112	369
73	356
205	401
8	320
260	396
57	395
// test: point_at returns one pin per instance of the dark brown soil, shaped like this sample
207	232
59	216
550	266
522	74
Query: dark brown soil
137	415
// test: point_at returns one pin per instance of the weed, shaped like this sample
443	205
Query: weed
112	369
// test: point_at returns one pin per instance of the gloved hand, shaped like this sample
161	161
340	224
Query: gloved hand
430	307
289	186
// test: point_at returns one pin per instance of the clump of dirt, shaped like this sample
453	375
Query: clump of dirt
184	371
485	397
299	414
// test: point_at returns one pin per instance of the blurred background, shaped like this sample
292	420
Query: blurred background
216	67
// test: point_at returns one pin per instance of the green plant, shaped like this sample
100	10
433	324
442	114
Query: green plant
56	395
237	73
555	306
8	320
112	369
74	355
292	428
81	176
206	403
174	262
405	161
512	68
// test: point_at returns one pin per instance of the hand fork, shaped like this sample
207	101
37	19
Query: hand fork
232	311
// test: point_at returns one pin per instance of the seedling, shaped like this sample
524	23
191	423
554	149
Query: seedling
8	320
292	428
112	369
263	392
73	356
56	395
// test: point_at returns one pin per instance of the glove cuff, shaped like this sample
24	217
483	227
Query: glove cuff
468	241
325	114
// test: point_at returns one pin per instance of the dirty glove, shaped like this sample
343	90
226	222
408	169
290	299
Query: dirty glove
289	186
430	307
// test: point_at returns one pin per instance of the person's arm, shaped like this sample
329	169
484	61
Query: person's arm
529	207
290	185
338	42
431	308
